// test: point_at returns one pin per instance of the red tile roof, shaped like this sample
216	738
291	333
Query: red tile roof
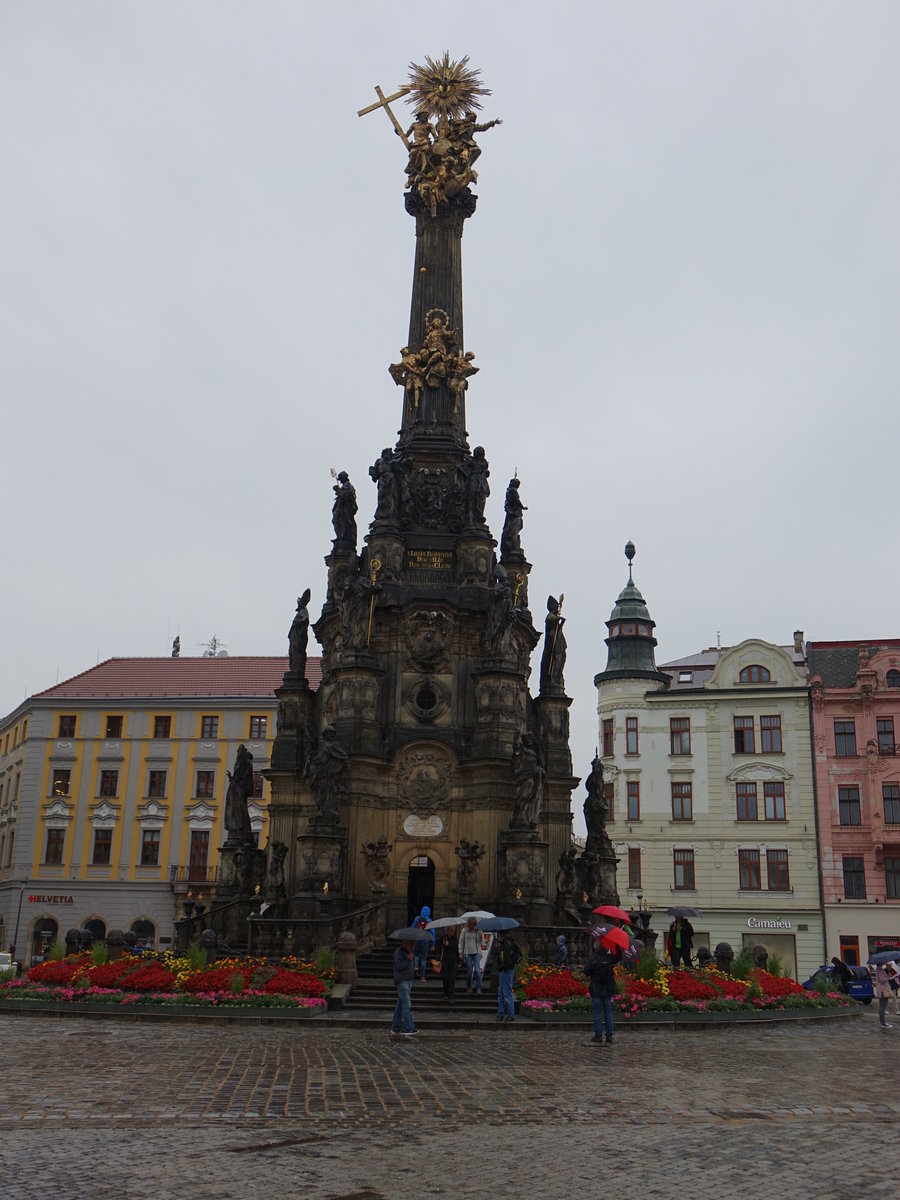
145	678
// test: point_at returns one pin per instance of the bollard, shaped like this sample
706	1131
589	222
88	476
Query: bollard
115	940
209	942
345	959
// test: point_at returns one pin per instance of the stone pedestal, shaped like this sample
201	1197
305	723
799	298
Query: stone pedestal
322	859
522	868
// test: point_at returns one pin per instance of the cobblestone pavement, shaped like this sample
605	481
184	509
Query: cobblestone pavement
108	1110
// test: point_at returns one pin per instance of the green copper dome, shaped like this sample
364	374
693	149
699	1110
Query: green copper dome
631	642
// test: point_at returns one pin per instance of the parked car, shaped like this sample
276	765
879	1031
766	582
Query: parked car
859	987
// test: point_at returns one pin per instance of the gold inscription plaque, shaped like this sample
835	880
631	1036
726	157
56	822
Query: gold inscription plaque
429	560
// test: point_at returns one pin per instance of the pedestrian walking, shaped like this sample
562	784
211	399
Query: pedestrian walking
470	951
884	992
447	967
600	969
402	1024
423	949
508	954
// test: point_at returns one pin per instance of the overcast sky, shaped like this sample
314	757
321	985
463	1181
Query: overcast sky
680	287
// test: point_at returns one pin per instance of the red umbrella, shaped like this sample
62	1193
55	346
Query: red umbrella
613	911
615	937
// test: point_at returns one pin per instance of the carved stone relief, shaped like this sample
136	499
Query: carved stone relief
424	780
427	639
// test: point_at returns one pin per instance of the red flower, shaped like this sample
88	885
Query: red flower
149	977
294	983
109	975
214	979
60	973
683	986
556	986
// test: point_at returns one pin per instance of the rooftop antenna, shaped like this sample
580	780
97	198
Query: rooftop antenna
213	647
719	640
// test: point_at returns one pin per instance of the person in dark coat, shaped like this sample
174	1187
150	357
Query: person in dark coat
680	941
449	963
402	1024
599	968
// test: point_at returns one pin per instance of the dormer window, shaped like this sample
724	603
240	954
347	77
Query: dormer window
685	676
755	674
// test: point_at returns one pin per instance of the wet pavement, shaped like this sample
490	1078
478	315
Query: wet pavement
103	1109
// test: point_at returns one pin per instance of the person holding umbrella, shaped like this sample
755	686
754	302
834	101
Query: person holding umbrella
470	950
448	963
600	969
883	992
680	941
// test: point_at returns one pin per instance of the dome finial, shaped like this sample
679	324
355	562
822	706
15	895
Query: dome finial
630	552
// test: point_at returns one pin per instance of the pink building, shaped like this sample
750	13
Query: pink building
855	691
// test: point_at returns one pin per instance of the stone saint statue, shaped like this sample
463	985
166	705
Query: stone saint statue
378	863
277	854
329	760
355	607
476	489
596	809
510	542
298	636
529	776
467	869
566	876
553	659
499	611
384	473
343	511
240	785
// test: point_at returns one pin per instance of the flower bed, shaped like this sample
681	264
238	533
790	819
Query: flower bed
169	979
543	990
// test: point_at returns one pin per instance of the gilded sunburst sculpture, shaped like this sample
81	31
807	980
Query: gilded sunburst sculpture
445	88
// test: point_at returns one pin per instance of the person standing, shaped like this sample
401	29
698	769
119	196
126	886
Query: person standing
600	969
562	951
470	950
448	964
680	941
508	954
402	1024
884	992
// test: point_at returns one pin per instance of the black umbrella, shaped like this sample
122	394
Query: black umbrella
497	924
885	956
683	910
410	935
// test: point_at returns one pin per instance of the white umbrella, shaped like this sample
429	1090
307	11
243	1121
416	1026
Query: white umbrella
478	913
443	922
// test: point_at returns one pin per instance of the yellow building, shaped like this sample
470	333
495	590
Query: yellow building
112	789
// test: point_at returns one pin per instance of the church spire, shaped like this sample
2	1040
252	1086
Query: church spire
631	642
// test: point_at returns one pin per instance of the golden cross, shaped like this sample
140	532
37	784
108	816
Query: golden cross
385	102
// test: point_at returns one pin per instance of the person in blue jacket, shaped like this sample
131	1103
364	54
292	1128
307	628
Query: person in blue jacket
423	949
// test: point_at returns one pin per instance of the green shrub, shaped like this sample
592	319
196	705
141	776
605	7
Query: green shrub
237	983
7	975
99	954
742	965
325	960
775	965
648	964
823	985
754	991
196	956
56	952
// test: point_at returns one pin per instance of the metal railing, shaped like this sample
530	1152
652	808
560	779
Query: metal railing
193	874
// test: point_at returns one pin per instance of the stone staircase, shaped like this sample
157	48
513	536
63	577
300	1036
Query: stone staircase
375	989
